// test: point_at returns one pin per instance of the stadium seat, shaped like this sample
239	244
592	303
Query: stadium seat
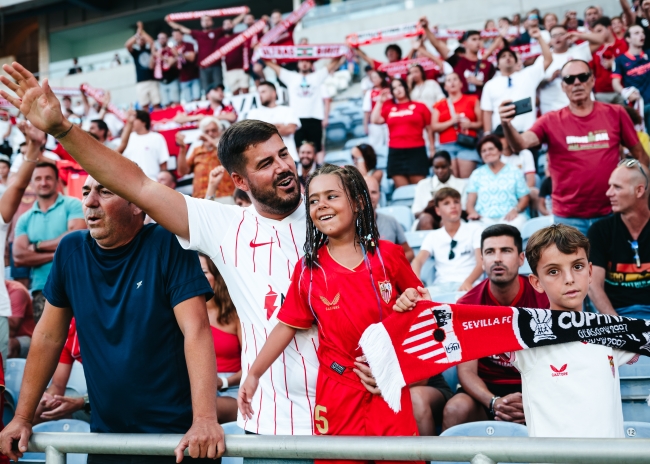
403	215
13	380
428	272
339	158
637	411
336	132
533	225
636	429
485	429
354	142
635	388
60	426
451	377
357	129
403	195
415	238
77	382
231	428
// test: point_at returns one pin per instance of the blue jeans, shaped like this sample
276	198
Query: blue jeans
191	90
169	93
637	311
581	224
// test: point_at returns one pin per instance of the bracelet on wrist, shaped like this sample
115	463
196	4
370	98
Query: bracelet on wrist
64	133
492	401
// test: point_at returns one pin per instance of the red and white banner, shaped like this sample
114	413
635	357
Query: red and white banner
189	15
99	94
387	34
525	52
401	68
233	44
67	91
302	52
446	34
282	27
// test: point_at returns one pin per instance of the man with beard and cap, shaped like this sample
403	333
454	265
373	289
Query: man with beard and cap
491	387
282	117
255	248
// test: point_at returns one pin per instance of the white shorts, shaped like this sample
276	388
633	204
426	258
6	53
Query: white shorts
148	93
236	79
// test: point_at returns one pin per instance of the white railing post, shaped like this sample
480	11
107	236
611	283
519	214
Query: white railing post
53	456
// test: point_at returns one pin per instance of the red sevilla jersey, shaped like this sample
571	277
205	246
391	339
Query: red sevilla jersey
343	303
71	351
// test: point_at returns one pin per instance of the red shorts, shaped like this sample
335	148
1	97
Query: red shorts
345	410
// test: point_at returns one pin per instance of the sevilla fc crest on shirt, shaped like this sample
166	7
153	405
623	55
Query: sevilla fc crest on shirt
386	290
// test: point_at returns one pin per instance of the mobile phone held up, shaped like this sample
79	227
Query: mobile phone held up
523	106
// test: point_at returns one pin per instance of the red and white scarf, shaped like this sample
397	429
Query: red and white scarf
386	34
237	42
66	91
412	346
302	52
189	15
401	68
99	94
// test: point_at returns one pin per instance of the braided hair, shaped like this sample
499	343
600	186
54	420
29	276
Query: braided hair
357	192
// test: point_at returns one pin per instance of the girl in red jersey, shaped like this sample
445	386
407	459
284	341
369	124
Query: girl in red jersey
347	280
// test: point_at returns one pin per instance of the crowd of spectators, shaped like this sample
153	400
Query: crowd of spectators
473	159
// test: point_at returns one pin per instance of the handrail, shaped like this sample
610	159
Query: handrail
475	449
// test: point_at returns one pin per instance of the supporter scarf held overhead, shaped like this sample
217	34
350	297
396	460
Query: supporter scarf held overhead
302	52
189	15
237	42
412	346
99	95
401	68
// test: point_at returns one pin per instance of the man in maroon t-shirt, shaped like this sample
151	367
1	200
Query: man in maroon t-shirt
188	68
583	141
491	387
236	78
473	72
206	40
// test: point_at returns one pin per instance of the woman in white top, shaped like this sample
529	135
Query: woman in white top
424	90
377	133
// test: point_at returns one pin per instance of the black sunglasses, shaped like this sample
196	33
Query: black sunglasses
452	255
582	77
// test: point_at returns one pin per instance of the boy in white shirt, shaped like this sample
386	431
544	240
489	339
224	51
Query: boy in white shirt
571	389
456	247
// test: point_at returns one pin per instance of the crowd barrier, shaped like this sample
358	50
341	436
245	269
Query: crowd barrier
477	450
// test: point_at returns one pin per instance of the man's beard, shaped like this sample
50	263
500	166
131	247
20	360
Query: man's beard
272	202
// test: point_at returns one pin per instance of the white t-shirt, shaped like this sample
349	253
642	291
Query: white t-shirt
256	257
148	151
305	95
551	97
429	92
438	245
425	189
520	85
279	115
572	390
5	303
523	161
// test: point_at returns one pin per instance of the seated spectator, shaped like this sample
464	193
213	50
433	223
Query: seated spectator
620	246
54	405
365	160
203	159
167	178
282	117
442	177
146	148
241	198
223	112
458	119
377	133
637	120
388	227
226	333
583	138
511	84
423	90
544	202
455	247
548	22
603	63
407	120
496	192
631	76
21	321
490	388
307	164
524	161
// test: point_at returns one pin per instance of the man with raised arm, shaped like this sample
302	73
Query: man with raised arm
255	248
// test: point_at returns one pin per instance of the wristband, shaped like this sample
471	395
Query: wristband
64	133
492	401
224	385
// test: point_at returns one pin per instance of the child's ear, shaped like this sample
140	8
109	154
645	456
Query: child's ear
534	281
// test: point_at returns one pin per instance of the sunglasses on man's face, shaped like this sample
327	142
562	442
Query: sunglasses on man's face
582	77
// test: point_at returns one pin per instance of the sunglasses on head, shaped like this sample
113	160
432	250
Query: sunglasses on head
582	77
634	163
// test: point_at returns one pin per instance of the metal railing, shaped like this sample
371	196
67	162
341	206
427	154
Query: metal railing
477	450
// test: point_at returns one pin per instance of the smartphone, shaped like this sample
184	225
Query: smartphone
523	106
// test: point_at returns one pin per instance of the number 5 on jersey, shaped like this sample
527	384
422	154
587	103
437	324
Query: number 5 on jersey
319	419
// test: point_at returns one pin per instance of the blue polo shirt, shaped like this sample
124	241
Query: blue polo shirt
133	349
40	226
634	71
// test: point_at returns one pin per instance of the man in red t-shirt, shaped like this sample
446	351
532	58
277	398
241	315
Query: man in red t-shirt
491	387
393	53
188	68
21	322
583	141
603	62
473	71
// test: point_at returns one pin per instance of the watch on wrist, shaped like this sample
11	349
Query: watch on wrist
492	401
86	406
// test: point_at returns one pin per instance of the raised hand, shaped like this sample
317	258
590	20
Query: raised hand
37	103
